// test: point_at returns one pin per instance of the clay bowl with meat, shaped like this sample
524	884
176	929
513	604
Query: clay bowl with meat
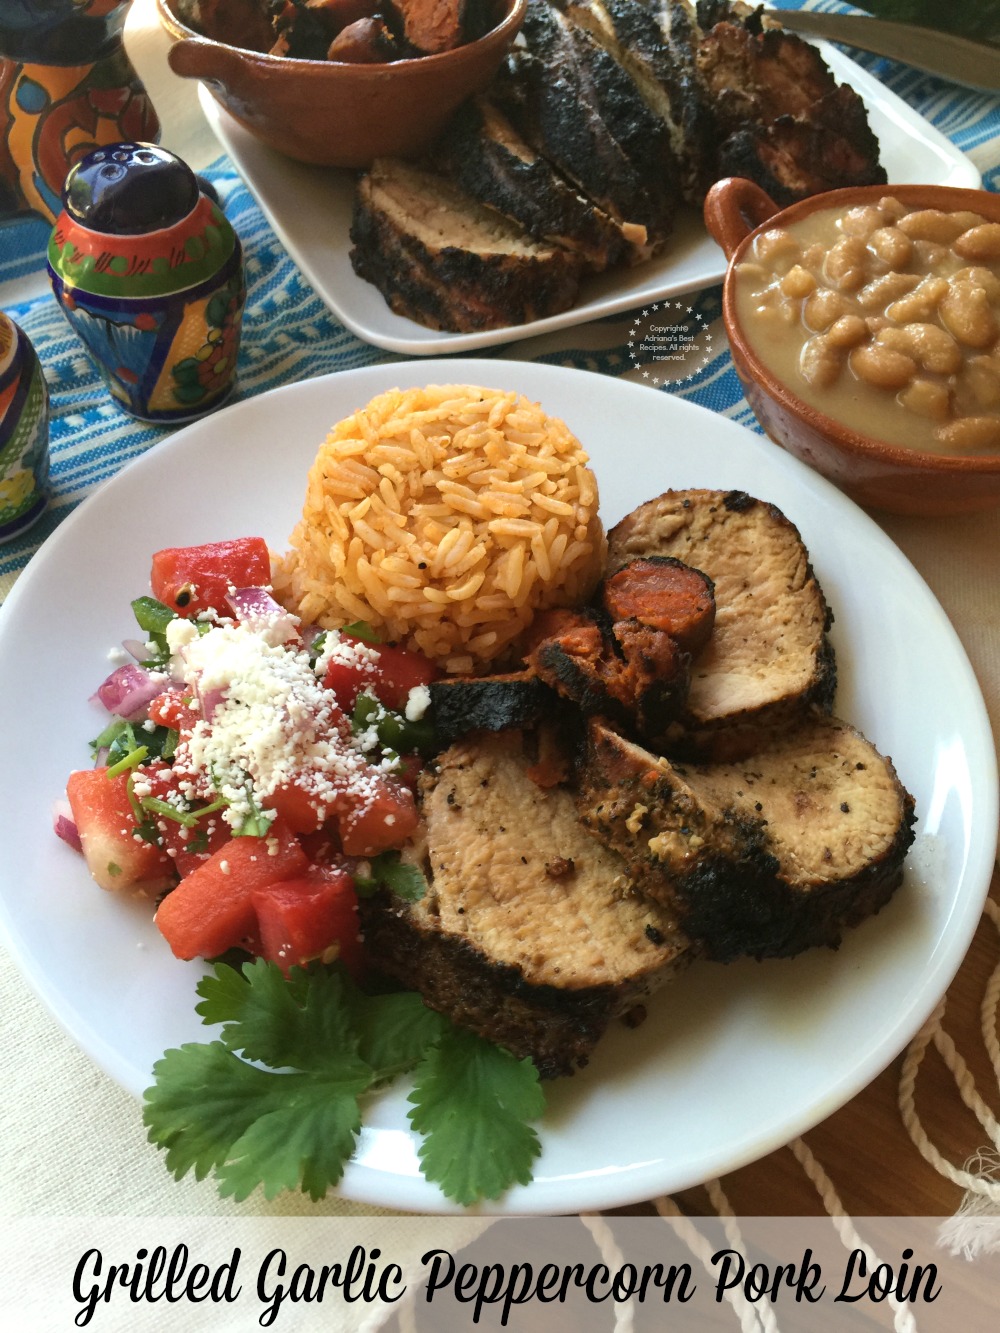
340	112
872	353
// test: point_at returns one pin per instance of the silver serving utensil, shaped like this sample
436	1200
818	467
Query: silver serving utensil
972	64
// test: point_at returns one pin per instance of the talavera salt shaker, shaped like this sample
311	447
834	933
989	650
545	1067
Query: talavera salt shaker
149	273
24	432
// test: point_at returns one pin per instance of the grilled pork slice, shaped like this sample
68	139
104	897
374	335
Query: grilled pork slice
575	105
765	857
483	153
781	117
530	933
464	704
769	660
656	42
447	262
623	669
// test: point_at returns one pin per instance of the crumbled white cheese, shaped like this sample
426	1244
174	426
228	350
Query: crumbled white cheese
180	633
346	651
417	703
273	722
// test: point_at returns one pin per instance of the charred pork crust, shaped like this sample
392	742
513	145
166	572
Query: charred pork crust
621	669
792	159
440	258
530	933
780	117
575	105
764	858
484	154
655	42
464	704
769	661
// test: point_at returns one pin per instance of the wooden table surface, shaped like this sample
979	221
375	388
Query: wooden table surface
865	1148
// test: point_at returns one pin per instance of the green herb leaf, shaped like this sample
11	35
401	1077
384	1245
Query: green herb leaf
152	616
294	1123
212	1111
303	1022
389	871
395	1031
303	1140
471	1103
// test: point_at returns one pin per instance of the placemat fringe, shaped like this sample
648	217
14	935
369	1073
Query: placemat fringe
903	1320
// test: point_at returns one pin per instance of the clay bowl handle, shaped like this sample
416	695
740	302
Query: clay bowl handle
735	207
193	58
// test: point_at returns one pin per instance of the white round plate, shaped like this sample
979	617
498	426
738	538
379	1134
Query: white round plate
732	1061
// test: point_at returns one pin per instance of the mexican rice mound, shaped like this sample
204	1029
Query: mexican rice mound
445	517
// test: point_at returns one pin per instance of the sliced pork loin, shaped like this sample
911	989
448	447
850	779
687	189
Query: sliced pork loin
781	118
656	42
572	101
483	153
442	259
531	933
764	857
769	660
464	704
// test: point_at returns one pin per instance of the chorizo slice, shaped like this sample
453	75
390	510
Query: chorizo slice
665	594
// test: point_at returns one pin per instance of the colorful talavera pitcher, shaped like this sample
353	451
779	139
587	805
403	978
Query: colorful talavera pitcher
66	87
24	432
149	273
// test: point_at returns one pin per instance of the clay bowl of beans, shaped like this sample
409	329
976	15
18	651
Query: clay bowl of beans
341	82
865	327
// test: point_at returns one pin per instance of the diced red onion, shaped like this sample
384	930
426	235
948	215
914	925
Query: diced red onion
65	827
209	701
137	648
128	691
254	604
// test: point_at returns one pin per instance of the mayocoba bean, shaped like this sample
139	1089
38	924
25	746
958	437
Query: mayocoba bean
889	316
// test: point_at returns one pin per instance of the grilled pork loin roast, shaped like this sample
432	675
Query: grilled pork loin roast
769	660
764	857
530	933
464	704
444	260
780	116
605	116
484	154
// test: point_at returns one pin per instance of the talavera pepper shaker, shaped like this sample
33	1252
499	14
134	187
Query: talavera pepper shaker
149	273
24	432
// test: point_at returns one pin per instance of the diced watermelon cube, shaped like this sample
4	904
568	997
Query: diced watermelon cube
116	856
211	910
310	916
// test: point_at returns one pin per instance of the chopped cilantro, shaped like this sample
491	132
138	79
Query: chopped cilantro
152	616
131	760
274	1101
256	821
119	739
389	871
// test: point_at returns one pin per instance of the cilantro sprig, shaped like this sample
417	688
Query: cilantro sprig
389	871
275	1100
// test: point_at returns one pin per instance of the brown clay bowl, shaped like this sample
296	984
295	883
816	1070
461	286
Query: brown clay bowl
338	114
872	471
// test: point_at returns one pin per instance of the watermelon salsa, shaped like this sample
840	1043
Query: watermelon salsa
255	772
